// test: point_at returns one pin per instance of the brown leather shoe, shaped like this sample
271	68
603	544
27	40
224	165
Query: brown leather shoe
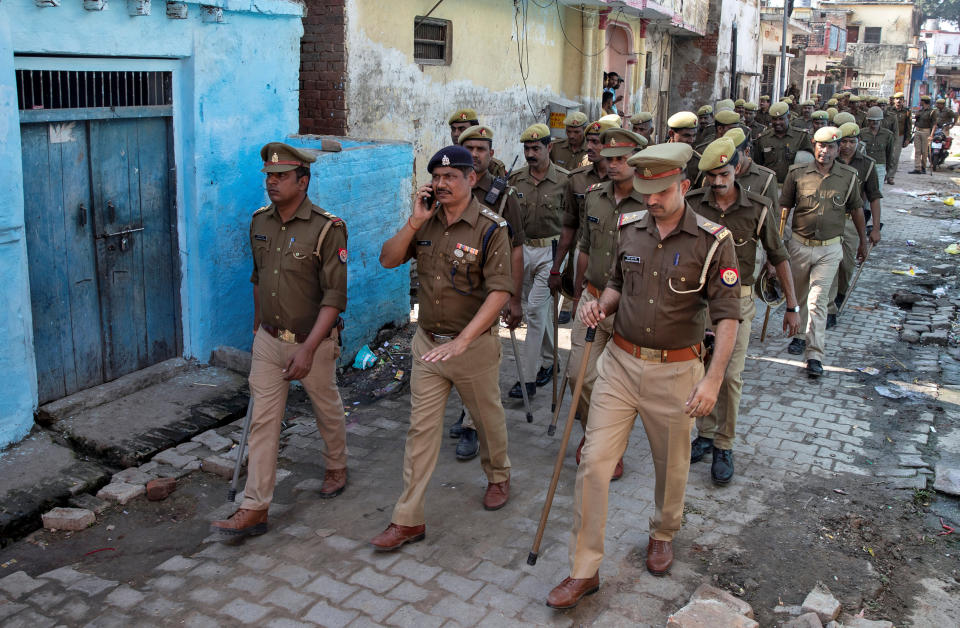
395	536
580	448
244	522
568	593
659	556
497	495
617	471
334	481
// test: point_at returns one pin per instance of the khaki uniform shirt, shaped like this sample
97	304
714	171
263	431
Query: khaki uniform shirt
497	168
820	202
580	179
905	127
454	278
598	238
506	205
891	122
946	117
706	134
564	156
755	130
866	174
751	219
762	181
805	125
294	281
860	117
879	147
777	153
763	118
926	118
541	203
663	302
693	170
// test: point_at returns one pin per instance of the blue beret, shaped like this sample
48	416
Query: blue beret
452	157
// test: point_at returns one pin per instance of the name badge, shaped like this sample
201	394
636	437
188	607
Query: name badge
423	242
579	195
519	194
767	149
592	219
260	237
633	259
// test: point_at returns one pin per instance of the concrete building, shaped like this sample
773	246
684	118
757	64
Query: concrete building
942	40
819	54
771	38
399	74
131	133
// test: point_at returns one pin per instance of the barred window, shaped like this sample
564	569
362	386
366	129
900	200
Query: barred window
431	41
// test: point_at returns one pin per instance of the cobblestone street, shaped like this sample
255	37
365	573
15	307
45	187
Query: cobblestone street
839	439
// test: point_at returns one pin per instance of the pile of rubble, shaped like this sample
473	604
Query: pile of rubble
928	321
710	607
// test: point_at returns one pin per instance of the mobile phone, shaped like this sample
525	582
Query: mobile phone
431	199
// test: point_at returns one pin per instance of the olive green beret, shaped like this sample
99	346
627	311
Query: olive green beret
815	96
832	102
874	113
726	103
477	132
751	106
925	98
843	116
764	98
640	118
739	102
847	129
682	120
941	101
660	166
737	135
617	142
717	154
599	126
779	109
820	115
535	132
705	110
463	115
832	113
280	157
898	95
827	135
727	117
576	118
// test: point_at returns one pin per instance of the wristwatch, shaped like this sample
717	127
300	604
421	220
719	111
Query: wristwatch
795	309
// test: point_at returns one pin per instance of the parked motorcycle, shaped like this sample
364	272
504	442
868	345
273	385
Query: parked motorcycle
939	149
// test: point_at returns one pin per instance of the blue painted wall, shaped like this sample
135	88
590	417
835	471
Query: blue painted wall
235	89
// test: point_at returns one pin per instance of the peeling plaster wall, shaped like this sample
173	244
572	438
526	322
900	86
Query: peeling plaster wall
391	97
877	63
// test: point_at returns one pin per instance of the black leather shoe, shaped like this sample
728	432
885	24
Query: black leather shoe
915	171
699	448
831	321
457	428
563	318
814	368
721	471
468	446
545	375
515	392
797	346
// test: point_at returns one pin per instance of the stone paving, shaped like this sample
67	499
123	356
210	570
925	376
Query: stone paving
315	567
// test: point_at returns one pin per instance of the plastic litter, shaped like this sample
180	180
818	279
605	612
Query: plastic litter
939	292
911	243
948	201
891	392
913	270
953	249
365	358
869	370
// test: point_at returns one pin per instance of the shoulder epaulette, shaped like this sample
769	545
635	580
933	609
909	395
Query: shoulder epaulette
717	231
261	210
586	168
595	186
626	219
336	220
849	169
697	192
697	155
562	170
758	198
494	216
796	166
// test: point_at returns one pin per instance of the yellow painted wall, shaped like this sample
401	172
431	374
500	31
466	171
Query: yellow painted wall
894	18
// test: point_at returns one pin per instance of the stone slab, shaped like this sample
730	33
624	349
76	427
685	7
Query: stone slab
68	519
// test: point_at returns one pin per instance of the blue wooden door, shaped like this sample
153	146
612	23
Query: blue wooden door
102	249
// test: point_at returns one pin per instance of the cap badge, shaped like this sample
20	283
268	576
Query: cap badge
445	161
535	135
723	159
463	116
274	158
613	142
647	173
483	132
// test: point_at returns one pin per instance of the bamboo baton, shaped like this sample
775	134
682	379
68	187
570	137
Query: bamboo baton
853	284
232	493
766	315
523	385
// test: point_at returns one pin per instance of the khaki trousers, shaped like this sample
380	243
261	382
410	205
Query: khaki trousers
897	149
813	269
537	310
921	148
848	265
475	374
626	386
577	341
269	390
721	423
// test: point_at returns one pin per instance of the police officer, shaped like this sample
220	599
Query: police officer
569	153
750	176
605	202
642	124
818	120
763	115
705	130
748	216
869	187
904	132
925	122
778	145
670	265
750	119
461	120
803	121
946	117
479	141
739	106
299	290
463	265
682	129
541	188
724	120
821	193
878	143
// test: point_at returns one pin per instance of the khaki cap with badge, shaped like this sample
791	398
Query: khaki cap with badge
599	126
764	98
705	110
618	142
611	117
717	154
727	117
577	118
751	106
941	101
738	137
659	166
280	157
640	118
464	115
849	129
779	109
739	102
682	120
820	115
898	95
832	102
925	98
808	103
827	135
831	113
535	133
854	98
842	117
476	132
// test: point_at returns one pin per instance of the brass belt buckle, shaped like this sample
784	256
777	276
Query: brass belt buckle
287	336
442	339
654	355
